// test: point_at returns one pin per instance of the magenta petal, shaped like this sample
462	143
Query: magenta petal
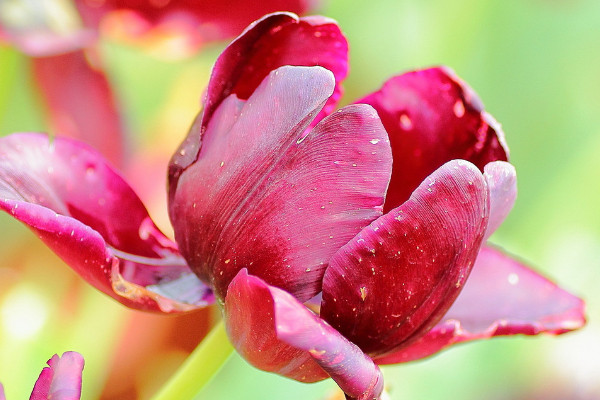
501	297
276	333
274	41
268	196
501	178
80	102
396	279
433	117
84	211
61	380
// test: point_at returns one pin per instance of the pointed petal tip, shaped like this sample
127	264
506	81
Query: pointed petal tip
501	178
61	379
511	299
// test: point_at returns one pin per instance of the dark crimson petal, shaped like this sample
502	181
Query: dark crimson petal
501	297
61	379
80	102
84	211
276	40
276	333
433	117
394	281
501	179
266	195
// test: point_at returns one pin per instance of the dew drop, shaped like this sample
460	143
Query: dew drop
513	278
405	122
459	108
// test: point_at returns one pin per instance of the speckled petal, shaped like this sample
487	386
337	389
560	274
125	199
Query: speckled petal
267	195
433	117
501	178
394	281
80	102
501	297
276	333
274	41
83	210
61	379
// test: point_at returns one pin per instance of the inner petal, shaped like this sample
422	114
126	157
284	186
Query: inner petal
267	196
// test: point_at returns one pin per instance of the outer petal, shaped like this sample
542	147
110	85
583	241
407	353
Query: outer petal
61	380
267	196
433	117
276	333
67	194
80	102
276	40
501	297
501	178
397	278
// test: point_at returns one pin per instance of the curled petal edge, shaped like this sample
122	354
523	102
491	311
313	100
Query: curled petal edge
311	345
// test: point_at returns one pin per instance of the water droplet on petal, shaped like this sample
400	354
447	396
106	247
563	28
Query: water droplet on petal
459	108
405	122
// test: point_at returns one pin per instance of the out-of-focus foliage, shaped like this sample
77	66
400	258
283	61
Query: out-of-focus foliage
534	64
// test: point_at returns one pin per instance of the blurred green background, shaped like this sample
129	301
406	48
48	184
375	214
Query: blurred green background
535	65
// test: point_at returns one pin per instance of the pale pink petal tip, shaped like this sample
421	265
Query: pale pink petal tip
61	379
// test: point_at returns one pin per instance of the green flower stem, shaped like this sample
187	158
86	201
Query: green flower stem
199	368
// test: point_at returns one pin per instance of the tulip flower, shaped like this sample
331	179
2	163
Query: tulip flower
60	380
335	241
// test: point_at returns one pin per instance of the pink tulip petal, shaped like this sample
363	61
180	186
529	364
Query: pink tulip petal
398	276
80	102
501	178
501	297
276	333
433	117
2	395
61	380
268	196
84	211
276	40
